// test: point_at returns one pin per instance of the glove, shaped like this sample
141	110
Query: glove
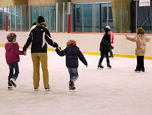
55	45
111	47
58	48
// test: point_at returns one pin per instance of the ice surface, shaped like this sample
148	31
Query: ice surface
116	91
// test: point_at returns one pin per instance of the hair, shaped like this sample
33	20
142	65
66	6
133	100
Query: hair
10	39
140	30
34	23
106	30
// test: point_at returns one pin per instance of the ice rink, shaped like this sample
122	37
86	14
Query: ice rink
116	91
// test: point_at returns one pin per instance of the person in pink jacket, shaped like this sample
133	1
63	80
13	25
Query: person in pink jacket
111	40
12	58
140	40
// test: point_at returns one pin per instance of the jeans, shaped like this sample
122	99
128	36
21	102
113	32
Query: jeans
102	57
73	74
111	53
13	66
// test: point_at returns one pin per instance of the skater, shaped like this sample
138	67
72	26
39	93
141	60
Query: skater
105	45
140	40
111	40
33	26
72	54
38	38
12	58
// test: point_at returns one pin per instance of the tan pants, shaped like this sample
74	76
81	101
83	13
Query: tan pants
37	58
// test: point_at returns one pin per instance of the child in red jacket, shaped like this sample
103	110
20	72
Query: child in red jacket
12	58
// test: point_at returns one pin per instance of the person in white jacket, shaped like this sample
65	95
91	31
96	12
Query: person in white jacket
33	26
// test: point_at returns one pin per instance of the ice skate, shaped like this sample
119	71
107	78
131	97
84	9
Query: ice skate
71	85
47	89
12	81
136	70
10	87
36	89
100	66
109	66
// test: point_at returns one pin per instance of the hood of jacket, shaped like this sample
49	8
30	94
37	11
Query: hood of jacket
73	49
9	46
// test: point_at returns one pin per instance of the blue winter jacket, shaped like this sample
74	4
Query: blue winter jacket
72	54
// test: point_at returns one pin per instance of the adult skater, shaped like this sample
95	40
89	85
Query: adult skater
38	38
72	53
12	58
140	40
105	48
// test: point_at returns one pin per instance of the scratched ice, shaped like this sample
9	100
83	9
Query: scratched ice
116	91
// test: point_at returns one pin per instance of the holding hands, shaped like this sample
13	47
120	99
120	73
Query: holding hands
25	53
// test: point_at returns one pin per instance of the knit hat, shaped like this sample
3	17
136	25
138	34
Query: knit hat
11	36
108	27
40	19
71	42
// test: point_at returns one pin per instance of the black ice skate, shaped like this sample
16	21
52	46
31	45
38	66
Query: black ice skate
36	89
47	89
71	85
10	87
109	66
100	66
136	70
12	82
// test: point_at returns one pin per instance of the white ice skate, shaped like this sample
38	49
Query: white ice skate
12	81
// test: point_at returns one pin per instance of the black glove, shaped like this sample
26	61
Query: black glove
87	65
111	47
55	45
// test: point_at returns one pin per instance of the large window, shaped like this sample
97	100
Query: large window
34	14
1	18
91	17
25	18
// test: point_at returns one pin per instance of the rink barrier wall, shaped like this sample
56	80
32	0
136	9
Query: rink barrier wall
88	42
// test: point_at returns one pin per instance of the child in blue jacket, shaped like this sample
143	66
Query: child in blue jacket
72	54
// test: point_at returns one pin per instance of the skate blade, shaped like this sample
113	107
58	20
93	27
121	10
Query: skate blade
71	88
10	88
12	83
100	68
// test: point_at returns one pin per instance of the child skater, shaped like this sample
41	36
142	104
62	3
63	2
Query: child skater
105	48
140	40
72	54
12	58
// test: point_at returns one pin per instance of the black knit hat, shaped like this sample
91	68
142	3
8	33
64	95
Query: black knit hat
40	19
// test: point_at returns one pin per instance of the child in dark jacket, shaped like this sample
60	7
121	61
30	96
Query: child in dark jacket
72	54
12	58
105	45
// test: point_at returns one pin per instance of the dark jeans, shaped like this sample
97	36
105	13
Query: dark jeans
73	74
140	63
102	57
111	53
13	66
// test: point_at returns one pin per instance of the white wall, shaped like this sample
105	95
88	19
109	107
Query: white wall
88	42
